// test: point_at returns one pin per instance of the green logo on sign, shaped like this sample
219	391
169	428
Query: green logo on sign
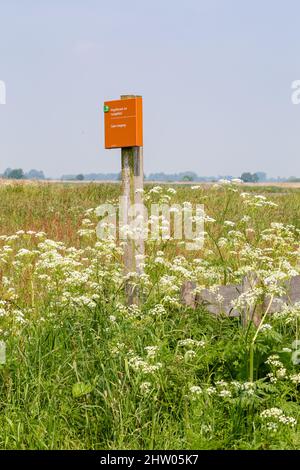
105	108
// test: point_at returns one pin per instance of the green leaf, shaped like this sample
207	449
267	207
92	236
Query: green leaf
80	389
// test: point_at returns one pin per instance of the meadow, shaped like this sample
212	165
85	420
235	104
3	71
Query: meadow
84	370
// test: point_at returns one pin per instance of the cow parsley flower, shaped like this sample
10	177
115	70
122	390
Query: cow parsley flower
145	388
195	390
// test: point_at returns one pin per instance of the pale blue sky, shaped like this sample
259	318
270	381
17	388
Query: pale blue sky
215	76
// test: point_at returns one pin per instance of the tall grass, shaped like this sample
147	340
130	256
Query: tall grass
78	376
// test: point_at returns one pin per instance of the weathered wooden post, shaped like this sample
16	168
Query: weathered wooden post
124	129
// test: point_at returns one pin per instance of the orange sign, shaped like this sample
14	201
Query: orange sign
123	120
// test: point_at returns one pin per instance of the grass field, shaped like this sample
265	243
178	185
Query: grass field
85	371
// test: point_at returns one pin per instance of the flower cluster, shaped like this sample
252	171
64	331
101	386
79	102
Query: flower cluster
273	417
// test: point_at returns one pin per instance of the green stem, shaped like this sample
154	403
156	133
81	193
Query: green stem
251	351
251	359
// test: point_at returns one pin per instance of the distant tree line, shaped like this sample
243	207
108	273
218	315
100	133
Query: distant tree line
247	177
19	174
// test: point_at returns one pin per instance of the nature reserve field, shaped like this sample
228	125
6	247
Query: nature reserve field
85	371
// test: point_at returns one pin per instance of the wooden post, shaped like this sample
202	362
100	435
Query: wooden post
132	192
188	294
